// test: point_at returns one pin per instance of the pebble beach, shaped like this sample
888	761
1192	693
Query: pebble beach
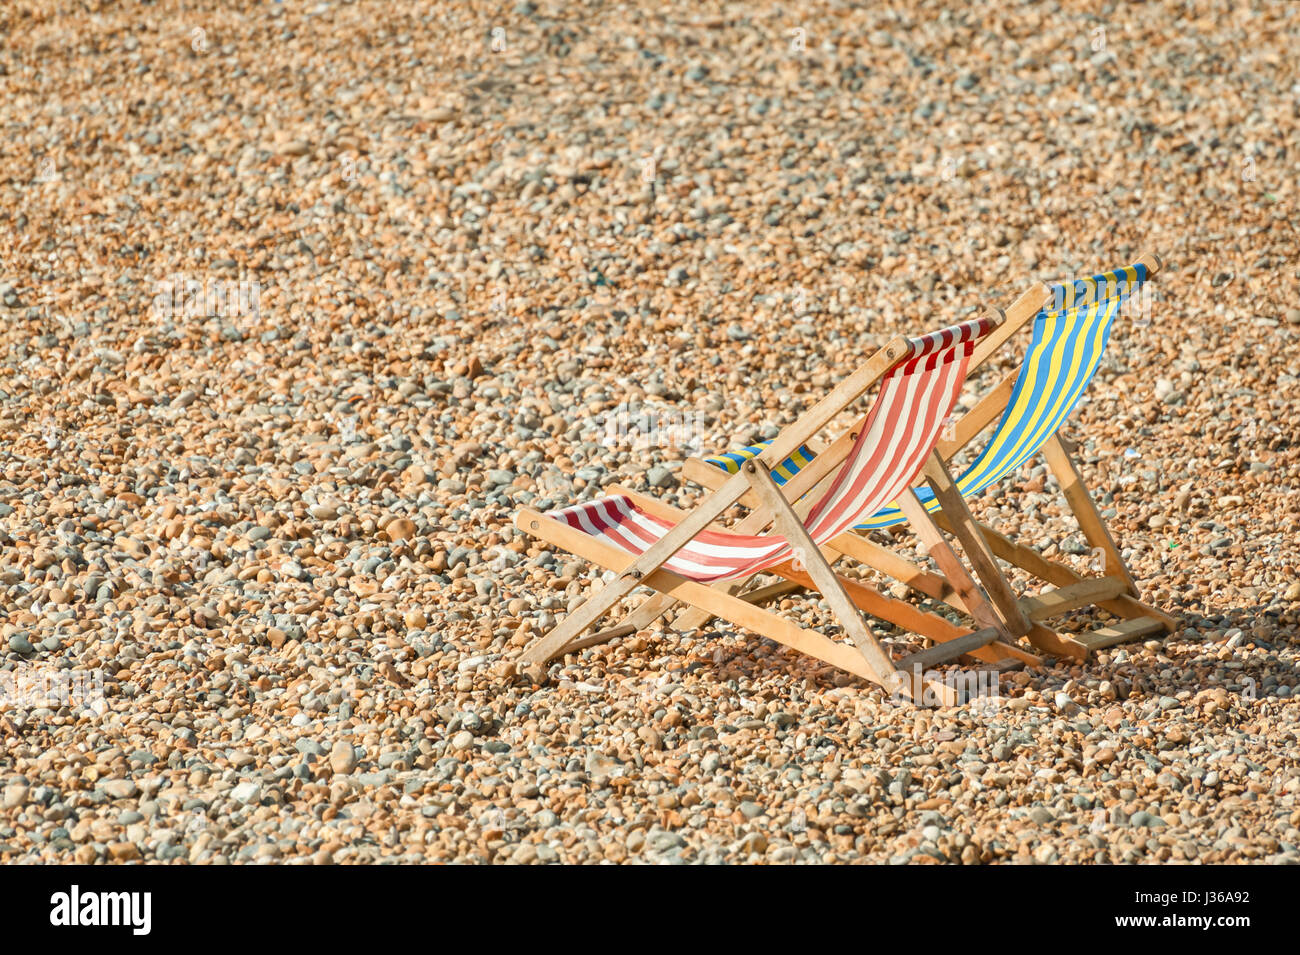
300	303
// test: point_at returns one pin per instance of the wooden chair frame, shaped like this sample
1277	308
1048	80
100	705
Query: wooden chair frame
781	509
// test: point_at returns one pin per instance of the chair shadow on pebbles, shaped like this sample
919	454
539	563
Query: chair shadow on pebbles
1233	665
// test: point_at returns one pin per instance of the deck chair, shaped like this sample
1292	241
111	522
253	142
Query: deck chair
1071	327
682	555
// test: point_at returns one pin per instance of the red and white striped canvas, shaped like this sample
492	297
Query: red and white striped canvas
916	394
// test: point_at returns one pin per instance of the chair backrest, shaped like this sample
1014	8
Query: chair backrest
916	395
731	461
1069	339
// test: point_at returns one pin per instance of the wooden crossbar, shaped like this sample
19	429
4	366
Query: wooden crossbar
1059	600
947	652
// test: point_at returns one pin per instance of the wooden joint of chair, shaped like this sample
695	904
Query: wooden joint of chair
898	347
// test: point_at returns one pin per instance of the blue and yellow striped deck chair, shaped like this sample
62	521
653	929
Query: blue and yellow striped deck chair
1070	334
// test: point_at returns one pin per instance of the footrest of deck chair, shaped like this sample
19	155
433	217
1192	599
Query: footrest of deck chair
1084	593
1104	637
948	651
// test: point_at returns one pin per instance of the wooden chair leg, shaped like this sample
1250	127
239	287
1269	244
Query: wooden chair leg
769	592
631	574
1085	510
942	553
787	523
572	626
650	611
656	606
694	618
873	555
977	550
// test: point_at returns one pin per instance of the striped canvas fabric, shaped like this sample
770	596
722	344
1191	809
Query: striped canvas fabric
731	461
1069	338
902	427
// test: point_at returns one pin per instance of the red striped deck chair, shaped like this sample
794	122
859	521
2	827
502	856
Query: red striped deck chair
1071	325
682	556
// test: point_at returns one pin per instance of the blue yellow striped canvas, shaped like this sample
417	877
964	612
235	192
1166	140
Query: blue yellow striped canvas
732	460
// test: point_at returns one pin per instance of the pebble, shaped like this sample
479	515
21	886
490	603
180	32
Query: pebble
661	477
120	788
401	529
246	793
343	757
